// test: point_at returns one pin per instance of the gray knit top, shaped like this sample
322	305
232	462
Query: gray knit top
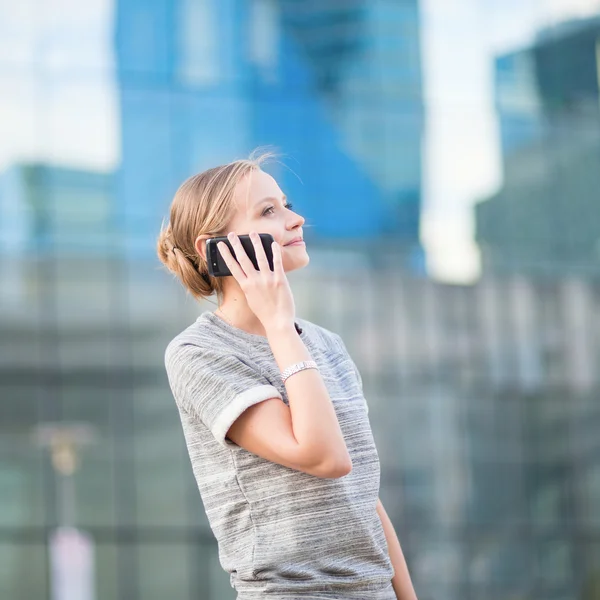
281	533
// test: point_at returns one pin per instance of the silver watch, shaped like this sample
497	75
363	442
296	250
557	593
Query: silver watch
307	364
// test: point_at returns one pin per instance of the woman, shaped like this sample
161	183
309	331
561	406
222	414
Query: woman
272	408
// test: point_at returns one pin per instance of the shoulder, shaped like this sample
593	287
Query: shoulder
201	340
321	335
194	334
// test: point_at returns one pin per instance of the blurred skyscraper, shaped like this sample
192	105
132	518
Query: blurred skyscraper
331	85
544	222
56	210
545	218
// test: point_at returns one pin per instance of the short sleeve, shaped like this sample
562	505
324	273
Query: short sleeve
216	386
354	367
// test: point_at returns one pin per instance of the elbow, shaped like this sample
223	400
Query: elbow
335	470
342	469
335	465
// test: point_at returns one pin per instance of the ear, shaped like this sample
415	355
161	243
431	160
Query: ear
200	244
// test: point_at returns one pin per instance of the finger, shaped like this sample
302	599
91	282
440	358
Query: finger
261	257
230	261
277	259
240	254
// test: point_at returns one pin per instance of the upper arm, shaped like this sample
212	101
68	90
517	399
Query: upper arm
265	429
238	405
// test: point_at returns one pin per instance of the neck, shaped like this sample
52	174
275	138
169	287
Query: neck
236	311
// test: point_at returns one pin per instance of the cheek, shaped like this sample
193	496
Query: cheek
278	233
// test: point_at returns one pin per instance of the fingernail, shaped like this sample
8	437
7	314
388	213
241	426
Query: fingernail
230	235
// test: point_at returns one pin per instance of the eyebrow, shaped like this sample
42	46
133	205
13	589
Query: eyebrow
269	199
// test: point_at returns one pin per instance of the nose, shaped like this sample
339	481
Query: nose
295	221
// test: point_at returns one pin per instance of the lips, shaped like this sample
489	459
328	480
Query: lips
296	239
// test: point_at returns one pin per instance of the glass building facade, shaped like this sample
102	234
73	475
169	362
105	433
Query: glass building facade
483	398
544	219
331	84
540	232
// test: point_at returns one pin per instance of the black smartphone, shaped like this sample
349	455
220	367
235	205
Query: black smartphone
216	264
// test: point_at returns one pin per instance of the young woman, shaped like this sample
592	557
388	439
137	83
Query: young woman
272	408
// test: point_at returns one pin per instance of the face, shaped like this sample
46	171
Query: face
261	206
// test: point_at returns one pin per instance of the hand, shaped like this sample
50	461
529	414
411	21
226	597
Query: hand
267	292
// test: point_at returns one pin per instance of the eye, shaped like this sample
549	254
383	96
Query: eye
270	209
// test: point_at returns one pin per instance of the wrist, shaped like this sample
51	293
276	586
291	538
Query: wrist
279	328
296	368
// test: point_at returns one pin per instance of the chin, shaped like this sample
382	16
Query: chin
296	263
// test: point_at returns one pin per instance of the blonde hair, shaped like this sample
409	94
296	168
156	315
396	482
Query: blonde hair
203	205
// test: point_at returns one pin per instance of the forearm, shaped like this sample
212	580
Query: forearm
401	581
314	421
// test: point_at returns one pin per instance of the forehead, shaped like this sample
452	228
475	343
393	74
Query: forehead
254	187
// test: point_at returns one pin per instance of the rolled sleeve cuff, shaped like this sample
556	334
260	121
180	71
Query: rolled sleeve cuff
237	406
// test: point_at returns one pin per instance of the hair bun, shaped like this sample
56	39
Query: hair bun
203	202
